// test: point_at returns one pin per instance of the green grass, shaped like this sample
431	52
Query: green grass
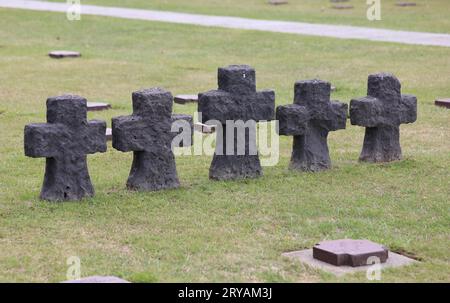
215	231
428	15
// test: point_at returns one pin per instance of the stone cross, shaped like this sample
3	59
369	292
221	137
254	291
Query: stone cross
65	140
236	99
147	133
382	112
309	120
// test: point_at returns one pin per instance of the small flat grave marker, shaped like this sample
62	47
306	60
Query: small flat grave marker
59	54
306	256
342	6
277	2
445	102
98	279
204	128
405	4
183	99
97	106
108	134
349	252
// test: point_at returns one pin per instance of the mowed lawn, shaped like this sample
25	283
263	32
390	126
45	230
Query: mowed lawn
428	15
206	230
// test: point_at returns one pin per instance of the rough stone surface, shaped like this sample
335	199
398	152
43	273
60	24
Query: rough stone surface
65	140
349	252
59	54
98	279
382	112
306	257
182	99
309	120
147	133
236	99
442	102
97	106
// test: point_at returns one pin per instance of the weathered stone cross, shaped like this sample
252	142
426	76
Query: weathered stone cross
236	99
309	120
147	132
382	112
64	141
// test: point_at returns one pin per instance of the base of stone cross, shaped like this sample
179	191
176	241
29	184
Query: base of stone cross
405	4
234	167
306	257
381	144
277	2
443	102
59	54
98	279
97	106
183	99
108	134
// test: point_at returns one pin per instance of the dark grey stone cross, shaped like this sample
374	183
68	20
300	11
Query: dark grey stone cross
309	120
382	112
236	99
65	141
147	133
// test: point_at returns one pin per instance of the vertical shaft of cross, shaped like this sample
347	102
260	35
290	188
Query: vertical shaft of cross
235	157
381	144
310	151
66	177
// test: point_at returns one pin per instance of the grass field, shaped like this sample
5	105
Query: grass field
215	231
428	15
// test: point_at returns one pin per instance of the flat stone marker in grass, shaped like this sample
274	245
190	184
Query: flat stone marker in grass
236	99
381	112
306	257
59	54
65	140
445	102
349	252
109	134
183	99
204	128
98	279
277	2
147	133
309	120
342	6
405	4
97	106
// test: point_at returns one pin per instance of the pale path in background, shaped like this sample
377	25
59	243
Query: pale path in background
323	30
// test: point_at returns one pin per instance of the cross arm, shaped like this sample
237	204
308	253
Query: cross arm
222	106
338	116
127	133
42	139
408	109
366	111
96	137
292	119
